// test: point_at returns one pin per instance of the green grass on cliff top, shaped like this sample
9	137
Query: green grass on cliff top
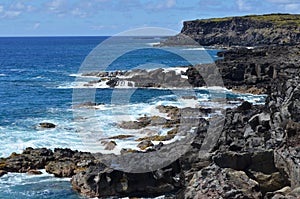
276	19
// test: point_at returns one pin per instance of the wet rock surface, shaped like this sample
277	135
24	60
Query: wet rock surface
47	125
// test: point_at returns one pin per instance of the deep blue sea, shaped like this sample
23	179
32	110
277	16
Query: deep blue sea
37	78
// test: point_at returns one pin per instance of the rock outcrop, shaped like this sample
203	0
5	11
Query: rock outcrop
60	162
252	30
100	181
258	69
47	125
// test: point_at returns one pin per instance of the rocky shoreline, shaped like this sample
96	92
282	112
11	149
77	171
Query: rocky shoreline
257	152
256	156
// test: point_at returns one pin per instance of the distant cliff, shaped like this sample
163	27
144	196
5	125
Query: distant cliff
251	30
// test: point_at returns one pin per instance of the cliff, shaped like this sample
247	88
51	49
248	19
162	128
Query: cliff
251	30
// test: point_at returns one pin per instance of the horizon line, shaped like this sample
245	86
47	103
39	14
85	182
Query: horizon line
6	36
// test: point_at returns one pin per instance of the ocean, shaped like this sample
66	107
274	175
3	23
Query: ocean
38	76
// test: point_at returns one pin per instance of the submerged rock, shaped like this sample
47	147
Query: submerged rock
2	173
145	144
109	145
47	125
121	137
34	172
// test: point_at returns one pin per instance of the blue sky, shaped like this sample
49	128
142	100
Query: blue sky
109	17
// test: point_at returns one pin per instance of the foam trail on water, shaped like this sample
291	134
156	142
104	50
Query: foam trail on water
194	49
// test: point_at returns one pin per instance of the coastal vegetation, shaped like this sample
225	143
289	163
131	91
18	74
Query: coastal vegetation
287	20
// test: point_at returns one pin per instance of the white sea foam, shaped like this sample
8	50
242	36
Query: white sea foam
16	138
12	179
75	75
86	131
178	70
93	130
38	77
17	70
153	43
201	48
188	103
124	84
2	75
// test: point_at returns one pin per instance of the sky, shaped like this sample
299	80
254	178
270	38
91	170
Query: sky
110	17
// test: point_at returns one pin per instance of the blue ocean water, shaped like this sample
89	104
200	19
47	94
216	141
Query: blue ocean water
37	76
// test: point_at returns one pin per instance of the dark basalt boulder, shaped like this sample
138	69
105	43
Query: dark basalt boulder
61	162
61	168
29	159
100	181
245	106
47	125
34	172
112	82
215	182
2	173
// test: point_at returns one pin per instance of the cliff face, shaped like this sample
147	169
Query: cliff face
251	30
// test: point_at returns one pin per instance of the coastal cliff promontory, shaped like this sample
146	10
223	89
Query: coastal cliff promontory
251	30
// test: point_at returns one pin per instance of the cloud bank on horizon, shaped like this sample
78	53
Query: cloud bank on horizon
108	17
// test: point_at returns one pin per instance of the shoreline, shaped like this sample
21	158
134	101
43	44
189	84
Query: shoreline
253	141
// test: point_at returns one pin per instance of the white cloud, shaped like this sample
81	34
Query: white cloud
170	3
287	5
15	9
81	8
167	4
78	12
59	7
11	14
36	25
55	4
243	5
283	1
292	7
20	6
100	27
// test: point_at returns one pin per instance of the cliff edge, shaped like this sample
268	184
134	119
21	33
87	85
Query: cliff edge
251	30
